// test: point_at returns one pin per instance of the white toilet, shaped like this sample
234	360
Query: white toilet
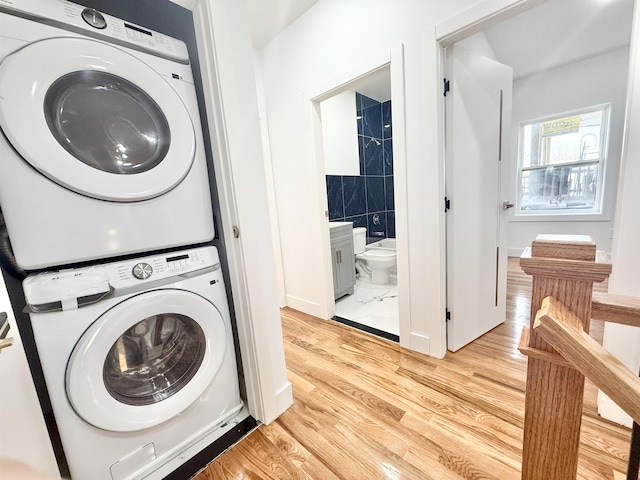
373	266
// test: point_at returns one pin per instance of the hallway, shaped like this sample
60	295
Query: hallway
365	408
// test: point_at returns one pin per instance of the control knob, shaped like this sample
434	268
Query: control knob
94	18
142	270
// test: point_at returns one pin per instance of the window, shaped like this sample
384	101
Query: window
561	163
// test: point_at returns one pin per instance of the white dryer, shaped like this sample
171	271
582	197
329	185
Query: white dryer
101	145
139	361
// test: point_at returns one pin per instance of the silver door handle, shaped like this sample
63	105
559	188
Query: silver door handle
507	205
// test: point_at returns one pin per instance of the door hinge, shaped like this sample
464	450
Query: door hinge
447	86
447	204
447	315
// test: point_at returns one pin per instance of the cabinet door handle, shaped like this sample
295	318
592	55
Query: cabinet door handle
6	342
339	256
4	325
4	329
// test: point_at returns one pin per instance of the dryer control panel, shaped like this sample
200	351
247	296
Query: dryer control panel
93	23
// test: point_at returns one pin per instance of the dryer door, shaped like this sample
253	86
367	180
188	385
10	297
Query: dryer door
96	120
146	360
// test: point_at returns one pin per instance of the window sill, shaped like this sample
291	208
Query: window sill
562	217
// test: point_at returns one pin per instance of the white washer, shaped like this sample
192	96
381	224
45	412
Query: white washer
101	145
139	361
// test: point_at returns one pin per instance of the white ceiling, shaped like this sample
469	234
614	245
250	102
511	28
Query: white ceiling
554	33
269	17
558	32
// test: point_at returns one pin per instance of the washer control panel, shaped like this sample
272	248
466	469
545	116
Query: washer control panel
73	288
133	272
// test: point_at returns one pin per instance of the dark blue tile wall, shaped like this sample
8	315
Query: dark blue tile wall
367	199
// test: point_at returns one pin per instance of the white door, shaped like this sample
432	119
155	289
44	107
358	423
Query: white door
107	125
478	111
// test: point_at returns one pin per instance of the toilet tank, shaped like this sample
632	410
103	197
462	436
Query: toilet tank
359	239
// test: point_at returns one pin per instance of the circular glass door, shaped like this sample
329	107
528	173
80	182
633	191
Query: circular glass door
154	359
145	360
97	121
107	122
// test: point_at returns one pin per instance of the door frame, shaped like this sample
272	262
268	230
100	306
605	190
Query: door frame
226	77
393	59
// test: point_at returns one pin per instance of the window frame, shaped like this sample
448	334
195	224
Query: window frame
597	212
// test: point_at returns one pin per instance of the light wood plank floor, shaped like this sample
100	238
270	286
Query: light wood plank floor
364	408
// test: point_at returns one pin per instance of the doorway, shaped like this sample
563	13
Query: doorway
359	190
547	72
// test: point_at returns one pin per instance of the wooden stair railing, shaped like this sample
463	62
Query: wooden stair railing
561	353
563	331
625	310
565	268
616	308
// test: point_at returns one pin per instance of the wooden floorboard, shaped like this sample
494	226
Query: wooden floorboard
365	408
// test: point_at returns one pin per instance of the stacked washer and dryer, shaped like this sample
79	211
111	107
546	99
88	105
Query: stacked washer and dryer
102	158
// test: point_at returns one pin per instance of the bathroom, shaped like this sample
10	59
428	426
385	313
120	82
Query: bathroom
366	200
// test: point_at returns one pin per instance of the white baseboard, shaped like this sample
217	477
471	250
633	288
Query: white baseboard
284	398
304	306
515	252
419	343
609	410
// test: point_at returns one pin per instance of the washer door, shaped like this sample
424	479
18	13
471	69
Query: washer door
146	360
96	120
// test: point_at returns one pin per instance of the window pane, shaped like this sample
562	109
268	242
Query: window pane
563	140
561	159
563	187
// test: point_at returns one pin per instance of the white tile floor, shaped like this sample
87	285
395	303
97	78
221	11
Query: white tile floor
372	305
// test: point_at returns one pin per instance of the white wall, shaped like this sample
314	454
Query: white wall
593	81
331	38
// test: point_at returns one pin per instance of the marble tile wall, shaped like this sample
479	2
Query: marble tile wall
367	199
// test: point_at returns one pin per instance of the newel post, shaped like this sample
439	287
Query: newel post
565	267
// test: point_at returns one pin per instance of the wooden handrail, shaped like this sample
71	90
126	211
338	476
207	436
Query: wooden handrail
616	308
563	330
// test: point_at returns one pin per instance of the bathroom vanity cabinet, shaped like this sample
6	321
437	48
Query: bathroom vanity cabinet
343	258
